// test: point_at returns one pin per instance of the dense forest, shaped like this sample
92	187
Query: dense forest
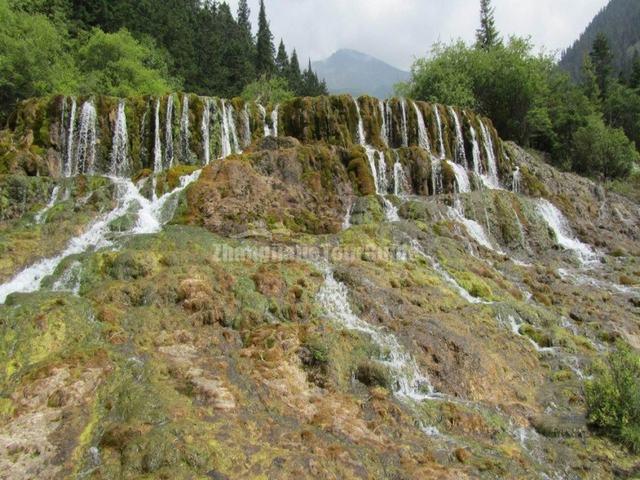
620	22
125	47
590	126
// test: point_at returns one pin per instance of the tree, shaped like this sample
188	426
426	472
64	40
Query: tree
282	60
35	58
602	59
244	18
487	35
265	51
294	77
590	84
117	64
634	78
268	91
599	150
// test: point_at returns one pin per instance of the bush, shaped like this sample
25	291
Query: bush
613	397
268	91
599	150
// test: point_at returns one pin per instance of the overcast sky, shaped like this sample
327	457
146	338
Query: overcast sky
397	31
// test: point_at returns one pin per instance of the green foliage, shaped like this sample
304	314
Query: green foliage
265	51
602	59
282	60
602	150
268	91
613	397
117	64
34	57
622	110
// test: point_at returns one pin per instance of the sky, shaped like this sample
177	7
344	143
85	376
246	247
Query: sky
398	31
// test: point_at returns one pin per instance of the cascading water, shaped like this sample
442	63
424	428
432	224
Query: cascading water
86	145
120	147
206	136
150	219
517	178
405	130
564	236
410	383
462	177
157	143
399	178
168	132
378	172
491	179
263	116
423	137
274	120
460	154
39	218
68	167
224	131
388	113
384	132
443	152
184	129
475	152
233	133
246	119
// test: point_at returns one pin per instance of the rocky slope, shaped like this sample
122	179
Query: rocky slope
368	290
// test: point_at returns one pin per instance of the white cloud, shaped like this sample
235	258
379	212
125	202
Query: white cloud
399	30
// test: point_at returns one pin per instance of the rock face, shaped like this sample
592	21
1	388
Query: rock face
367	290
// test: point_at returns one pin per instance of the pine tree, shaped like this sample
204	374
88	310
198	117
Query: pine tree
282	60
265	51
244	20
294	76
602	59
589	81
634	79
487	35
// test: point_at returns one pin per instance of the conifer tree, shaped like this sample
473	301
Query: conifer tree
294	76
634	79
265	51
244	20
589	82
487	35
282	60
602	59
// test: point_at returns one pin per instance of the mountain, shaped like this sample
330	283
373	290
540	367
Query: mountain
356	73
198	288
620	22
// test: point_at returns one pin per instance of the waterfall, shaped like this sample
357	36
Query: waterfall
410	383
564	236
168	132
150	220
517	178
379	173
405	130
475	148
443	152
274	120
491	180
384	132
206	136
462	177
224	131
388	121
445	275
399	178
460	154
68	169
233	133
247	126
263	115
157	143
86	146
39	218
120	146
184	129
423	137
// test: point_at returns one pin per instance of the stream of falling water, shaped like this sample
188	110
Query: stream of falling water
120	147
151	215
206	133
460	154
423	137
85	154
168	132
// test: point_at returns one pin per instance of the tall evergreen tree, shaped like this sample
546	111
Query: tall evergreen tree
602	59
294	76
244	17
282	60
634	78
589	83
265	50
487	35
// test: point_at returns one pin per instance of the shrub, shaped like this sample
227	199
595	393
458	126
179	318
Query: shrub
613	397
